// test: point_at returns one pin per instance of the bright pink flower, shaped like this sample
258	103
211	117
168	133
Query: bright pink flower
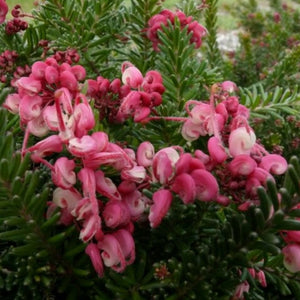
115	214
216	150
64	97
63	174
291	259
191	131
186	164
3	11
145	154
127	244
79	72
162	200
292	236
51	118
274	164
90	227
83	209
135	203
101	139
30	107
51	74
68	80
88	180
242	164
12	103
106	187
257	178
240	290
206	185
241	141
83	146
184	186
131	75
163	164
38	70
232	104
94	253
84	119
49	145
141	113
260	275
112	253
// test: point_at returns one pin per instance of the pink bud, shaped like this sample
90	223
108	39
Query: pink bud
94	253
291	260
241	141
141	113
206	185
184	186
216	150
68	80
242	164
240	290
261	278
162	200
79	72
51	74
131	75
63	174
12	103
274	164
106	187
229	86
115	214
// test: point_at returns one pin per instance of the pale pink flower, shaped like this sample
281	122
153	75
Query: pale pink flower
82	146
101	139
240	290
63	174
106	187
127	245
241	141
229	86
162	200
38	126
291	259
66	198
30	107
145	154
64	97
84	119
135	203
12	102
131	75
136	174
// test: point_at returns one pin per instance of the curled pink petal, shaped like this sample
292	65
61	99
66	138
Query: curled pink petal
115	214
184	186
145	154
191	131
38	127
12	103
83	146
127	245
30	107
63	174
241	141
94	253
66	198
106	187
162	200
206	185
242	164
90	227
131	76
216	150
291	259
101	139
29	86
274	164
136	174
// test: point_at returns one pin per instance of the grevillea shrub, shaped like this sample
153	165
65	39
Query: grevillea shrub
130	168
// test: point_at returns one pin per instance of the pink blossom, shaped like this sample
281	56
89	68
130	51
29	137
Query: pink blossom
127	245
241	141
206	185
260	275
163	164
84	119
145	154
66	198
136	174
3	11
291	259
186	164
28	86
135	203
216	150
115	214
184	186
106	187
38	126
51	74
79	72
274	164
229	86
63	174
38	70
64	97
242	164
30	107
94	253
12	103
101	139
240	290
131	75
112	253
68	80
162	200
191	131
90	227
82	146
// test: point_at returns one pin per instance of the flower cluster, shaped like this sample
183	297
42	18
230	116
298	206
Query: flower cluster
7	63
16	24
164	17
137	97
240	162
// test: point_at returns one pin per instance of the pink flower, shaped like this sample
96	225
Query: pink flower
12	102
94	253
90	225
82	146
79	72
162	200
84	119
131	75
38	127
115	214
136	174
229	86
51	74
30	107
28	86
106	187
184	186
145	154
68	80
216	150
206	185
274	164
63	174
66	198
242	164
240	290
3	11
127	245
260	275
241	141
291	259
38	70
135	203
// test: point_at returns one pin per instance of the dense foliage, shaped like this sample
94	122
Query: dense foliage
131	164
